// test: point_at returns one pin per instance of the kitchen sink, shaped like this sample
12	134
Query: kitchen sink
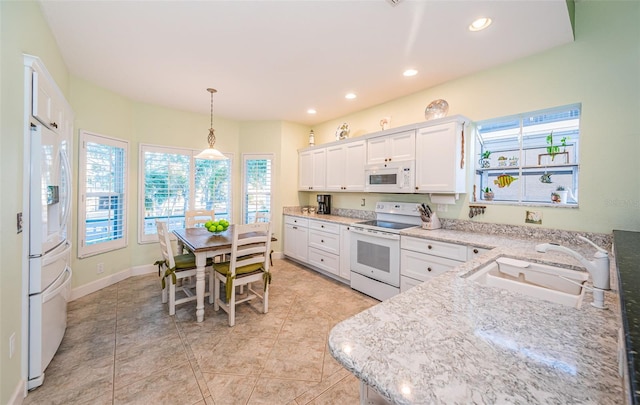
550	283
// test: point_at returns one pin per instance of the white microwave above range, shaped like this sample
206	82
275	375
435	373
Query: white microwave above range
391	177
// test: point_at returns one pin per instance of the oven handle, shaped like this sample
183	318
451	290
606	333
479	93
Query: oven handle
376	234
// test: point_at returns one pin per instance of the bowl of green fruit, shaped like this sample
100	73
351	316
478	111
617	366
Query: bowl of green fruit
217	226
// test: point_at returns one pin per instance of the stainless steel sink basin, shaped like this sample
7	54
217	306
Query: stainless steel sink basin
550	283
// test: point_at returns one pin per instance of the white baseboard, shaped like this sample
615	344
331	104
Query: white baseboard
18	394
111	279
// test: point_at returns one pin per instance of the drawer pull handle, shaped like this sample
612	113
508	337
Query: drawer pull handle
428	268
475	250
295	227
322	260
321	240
429	247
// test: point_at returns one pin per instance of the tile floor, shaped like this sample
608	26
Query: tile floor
122	347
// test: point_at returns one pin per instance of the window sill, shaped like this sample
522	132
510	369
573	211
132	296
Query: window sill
526	204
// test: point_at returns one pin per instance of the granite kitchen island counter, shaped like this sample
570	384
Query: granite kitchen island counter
451	340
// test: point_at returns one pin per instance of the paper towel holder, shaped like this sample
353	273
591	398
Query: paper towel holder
439	198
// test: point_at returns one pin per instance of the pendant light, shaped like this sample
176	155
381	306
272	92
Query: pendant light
211	153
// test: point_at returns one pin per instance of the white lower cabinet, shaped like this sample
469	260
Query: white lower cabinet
296	238
423	259
324	245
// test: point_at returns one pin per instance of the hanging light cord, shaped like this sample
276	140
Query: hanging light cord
212	137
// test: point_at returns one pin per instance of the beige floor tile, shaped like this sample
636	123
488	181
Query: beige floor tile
229	389
345	392
175	385
122	347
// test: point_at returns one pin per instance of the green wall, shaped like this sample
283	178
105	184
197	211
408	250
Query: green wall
601	70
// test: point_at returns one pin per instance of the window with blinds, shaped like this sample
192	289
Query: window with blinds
174	181
530	157
102	207
257	181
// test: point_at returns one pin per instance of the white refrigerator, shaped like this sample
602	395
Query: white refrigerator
49	247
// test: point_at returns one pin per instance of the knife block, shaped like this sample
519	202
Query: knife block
433	224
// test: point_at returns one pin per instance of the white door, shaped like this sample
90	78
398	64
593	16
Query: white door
50	183
336	168
355	158
439	163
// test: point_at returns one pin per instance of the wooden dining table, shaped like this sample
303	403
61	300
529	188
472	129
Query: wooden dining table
204	244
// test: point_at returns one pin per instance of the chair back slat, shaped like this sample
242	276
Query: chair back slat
251	245
165	243
193	218
262	216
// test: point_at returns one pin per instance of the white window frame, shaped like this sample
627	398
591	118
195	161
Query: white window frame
536	132
84	249
191	153
256	156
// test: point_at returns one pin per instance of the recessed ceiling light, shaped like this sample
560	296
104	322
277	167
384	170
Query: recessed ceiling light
350	96
480	24
311	111
410	72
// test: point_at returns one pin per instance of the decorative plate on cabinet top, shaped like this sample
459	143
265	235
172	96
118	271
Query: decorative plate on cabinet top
342	132
436	109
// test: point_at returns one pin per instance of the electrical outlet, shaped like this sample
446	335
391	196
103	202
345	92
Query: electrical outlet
442	208
12	344
362	204
100	268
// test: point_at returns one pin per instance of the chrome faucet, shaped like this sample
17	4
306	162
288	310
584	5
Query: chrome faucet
598	268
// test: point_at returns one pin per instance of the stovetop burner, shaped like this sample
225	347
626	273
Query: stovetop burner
387	224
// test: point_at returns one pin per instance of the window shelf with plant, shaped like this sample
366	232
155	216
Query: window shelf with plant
525	158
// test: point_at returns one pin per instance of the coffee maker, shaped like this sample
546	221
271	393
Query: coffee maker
324	204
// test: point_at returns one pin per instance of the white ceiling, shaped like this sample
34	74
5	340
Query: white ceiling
272	60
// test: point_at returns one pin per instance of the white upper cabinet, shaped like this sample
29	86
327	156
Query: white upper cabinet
47	107
345	166
441	159
391	148
312	169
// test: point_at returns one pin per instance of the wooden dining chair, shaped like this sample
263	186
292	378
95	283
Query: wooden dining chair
249	263
193	218
264	217
179	267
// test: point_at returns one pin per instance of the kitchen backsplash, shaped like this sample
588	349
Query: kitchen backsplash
522	232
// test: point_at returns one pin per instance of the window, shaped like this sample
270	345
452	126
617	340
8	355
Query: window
174	181
257	180
530	158
102	205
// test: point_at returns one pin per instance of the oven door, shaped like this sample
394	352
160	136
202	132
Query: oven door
376	254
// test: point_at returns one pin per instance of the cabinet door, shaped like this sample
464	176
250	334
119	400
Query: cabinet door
403	146
336	163
355	157
46	107
296	241
345	252
377	150
311	169
438	159
305	170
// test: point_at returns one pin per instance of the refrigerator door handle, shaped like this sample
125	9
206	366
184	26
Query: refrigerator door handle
48	260
67	172
47	295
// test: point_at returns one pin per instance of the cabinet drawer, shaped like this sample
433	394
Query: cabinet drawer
436	248
424	267
325	261
324	226
473	252
289	220
328	242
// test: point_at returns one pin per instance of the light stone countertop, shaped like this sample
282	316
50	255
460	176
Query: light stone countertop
453	341
328	218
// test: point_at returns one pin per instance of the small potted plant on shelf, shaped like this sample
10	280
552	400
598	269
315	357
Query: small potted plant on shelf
559	196
484	161
554	149
487	194
513	161
502	161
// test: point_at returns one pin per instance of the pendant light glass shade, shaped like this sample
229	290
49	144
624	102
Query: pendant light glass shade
211	153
